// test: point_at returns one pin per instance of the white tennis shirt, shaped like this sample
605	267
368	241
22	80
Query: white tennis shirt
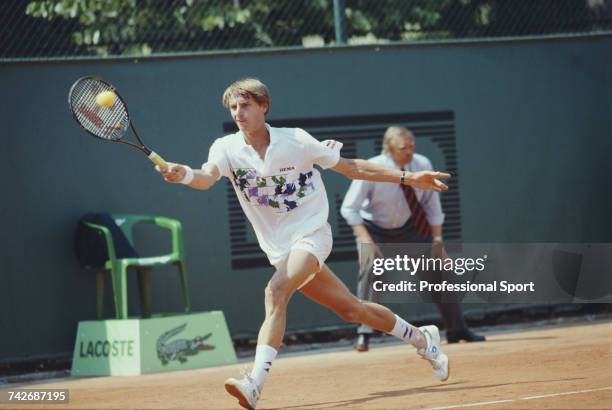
283	196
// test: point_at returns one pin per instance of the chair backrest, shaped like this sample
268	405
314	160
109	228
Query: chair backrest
91	247
126	223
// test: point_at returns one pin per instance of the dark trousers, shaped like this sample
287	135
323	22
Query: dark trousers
451	312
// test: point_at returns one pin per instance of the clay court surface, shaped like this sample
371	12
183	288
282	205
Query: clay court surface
558	368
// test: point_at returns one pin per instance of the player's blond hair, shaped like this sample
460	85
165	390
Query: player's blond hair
392	132
252	87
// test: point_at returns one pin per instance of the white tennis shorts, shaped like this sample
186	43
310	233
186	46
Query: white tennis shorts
319	244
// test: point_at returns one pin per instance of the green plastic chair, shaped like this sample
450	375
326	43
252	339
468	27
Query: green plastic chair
118	267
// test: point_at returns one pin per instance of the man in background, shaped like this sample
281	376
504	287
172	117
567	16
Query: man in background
382	212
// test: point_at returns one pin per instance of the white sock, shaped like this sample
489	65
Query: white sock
408	333
264	356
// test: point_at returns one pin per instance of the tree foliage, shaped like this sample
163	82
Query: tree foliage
137	27
141	26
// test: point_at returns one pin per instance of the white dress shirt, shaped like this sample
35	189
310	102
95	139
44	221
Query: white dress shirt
283	195
384	203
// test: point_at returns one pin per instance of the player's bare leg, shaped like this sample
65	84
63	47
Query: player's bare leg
290	275
327	290
283	284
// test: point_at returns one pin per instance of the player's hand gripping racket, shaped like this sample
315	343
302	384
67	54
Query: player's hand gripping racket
99	109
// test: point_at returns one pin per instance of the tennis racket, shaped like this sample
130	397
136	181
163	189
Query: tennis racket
109	122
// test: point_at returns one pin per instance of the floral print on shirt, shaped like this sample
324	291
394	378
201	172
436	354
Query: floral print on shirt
273	191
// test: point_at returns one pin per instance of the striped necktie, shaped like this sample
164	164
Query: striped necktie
419	219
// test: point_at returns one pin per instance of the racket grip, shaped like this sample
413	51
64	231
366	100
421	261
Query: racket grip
157	160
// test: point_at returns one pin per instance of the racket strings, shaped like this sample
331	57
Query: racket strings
109	123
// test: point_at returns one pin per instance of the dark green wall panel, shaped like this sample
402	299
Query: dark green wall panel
532	132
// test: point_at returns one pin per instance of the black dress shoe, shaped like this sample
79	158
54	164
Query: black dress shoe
455	336
362	342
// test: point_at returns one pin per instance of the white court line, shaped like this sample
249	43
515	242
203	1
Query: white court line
563	394
484	403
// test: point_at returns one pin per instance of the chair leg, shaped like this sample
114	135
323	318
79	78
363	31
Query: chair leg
144	287
100	293
120	290
184	285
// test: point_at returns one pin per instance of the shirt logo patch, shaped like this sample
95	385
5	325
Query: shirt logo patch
331	144
286	169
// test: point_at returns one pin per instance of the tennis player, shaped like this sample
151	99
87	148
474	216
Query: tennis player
283	196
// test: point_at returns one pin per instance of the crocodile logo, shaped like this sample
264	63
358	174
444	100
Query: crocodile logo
180	349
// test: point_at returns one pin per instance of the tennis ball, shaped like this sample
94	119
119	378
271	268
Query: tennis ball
106	99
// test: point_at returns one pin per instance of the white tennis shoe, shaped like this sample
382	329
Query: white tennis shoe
245	390
433	353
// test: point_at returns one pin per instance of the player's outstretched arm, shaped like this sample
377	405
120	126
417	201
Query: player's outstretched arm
201	179
362	169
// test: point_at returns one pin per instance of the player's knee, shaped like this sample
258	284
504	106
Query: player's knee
276	296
